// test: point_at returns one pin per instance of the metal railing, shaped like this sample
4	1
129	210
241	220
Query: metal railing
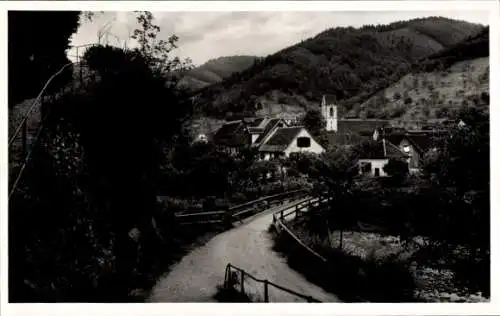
229	283
240	211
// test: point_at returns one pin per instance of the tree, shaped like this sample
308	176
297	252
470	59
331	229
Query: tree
158	52
37	46
102	154
397	168
315	123
333	174
459	175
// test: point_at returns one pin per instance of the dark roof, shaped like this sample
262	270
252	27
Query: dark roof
330	99
227	130
360	126
255	130
342	139
421	141
232	134
393	151
281	139
377	152
391	130
256	122
269	126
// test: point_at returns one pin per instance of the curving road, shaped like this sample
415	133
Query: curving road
195	277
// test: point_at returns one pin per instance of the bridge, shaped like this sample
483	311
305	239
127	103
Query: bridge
248	249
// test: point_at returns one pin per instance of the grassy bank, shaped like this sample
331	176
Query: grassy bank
369	267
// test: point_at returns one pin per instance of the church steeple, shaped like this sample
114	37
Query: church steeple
329	112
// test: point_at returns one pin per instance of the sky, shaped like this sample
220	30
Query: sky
207	35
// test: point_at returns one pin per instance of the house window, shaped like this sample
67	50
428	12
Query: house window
406	149
331	112
303	142
377	172
366	167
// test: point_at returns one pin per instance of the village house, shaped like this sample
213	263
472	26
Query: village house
288	140
372	162
413	143
271	137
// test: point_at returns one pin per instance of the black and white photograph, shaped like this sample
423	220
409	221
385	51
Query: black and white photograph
248	156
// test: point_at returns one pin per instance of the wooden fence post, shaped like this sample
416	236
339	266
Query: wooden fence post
266	291
229	278
242	282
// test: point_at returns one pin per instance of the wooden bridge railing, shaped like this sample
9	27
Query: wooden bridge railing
240	211
229	282
280	217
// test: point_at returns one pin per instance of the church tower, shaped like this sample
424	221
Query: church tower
329	112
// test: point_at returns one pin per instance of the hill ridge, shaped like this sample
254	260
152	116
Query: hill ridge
351	63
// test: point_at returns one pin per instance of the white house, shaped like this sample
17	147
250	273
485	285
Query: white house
372	163
287	140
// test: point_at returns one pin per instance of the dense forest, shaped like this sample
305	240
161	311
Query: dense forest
475	46
350	63
216	70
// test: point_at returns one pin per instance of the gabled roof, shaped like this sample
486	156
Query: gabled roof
360	126
227	130
232	134
377	152
270	124
256	122
421	141
255	130
343	139
281	139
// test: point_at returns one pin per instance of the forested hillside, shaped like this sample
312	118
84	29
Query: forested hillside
437	86
216	70
350	63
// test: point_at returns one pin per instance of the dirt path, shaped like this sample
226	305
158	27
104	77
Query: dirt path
195	277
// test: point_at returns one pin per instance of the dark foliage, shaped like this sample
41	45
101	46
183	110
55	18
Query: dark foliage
349	277
475	46
37	49
397	169
100	156
315	124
